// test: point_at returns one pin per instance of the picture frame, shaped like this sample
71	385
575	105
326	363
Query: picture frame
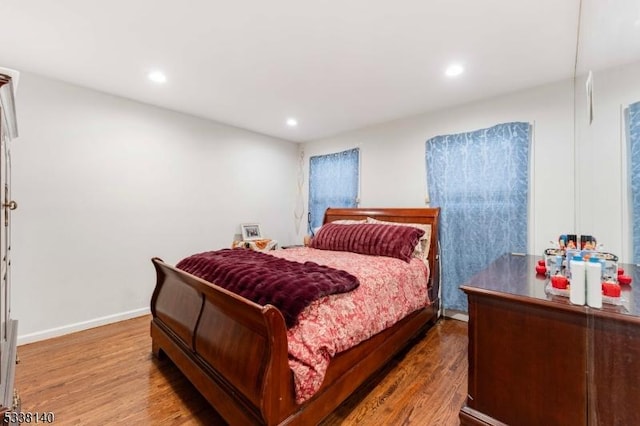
251	231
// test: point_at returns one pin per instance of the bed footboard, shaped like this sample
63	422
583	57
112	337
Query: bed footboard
234	351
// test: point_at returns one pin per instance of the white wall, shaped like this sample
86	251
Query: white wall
104	183
393	171
603	202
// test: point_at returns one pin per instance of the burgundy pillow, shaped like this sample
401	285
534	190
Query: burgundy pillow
373	239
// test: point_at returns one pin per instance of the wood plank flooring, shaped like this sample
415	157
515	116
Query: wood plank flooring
107	376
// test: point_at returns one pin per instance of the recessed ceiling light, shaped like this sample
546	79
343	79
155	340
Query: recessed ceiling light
157	77
292	122
454	70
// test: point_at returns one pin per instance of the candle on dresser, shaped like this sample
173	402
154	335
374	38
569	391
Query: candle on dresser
577	293
594	284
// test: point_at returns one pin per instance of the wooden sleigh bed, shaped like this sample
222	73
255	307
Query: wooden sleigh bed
235	351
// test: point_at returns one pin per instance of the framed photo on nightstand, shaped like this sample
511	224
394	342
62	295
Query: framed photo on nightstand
251	231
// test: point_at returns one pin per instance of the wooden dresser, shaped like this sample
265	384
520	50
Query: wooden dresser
9	400
535	359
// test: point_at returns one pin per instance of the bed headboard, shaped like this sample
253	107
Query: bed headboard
425	215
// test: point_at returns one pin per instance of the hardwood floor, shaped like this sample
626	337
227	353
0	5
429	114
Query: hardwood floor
92	378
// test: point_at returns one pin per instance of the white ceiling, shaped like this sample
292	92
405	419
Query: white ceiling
335	65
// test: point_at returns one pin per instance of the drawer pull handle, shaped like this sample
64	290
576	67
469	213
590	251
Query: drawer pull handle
12	205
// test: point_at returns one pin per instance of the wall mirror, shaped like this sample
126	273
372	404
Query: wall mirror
609	47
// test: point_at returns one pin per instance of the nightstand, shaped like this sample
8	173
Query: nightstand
256	245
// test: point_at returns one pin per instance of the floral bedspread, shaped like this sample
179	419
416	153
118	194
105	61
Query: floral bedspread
389	290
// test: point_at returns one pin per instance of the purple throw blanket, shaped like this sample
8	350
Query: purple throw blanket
263	279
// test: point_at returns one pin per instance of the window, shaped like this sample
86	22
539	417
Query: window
633	123
480	180
333	182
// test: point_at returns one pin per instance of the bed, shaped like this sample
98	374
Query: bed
235	352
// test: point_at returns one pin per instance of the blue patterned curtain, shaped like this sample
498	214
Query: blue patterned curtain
633	121
480	180
333	182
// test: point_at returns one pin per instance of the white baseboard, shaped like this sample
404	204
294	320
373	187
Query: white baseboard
456	315
79	326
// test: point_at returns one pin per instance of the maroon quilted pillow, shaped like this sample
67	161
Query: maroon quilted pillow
373	239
